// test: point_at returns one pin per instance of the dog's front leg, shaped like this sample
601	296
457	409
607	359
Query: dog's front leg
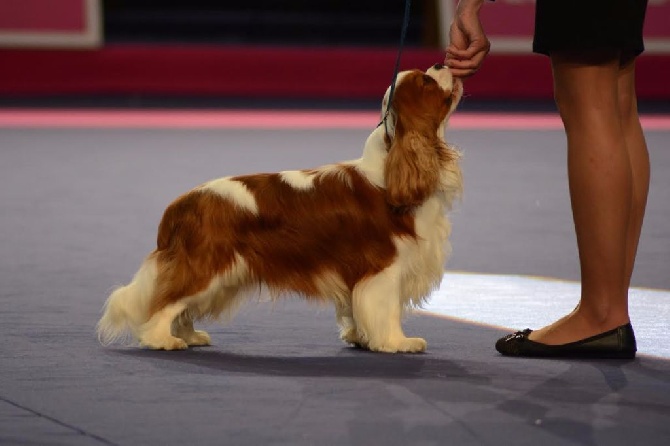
377	312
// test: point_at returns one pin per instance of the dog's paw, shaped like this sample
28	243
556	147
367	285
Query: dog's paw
403	345
350	337
413	345
198	337
167	343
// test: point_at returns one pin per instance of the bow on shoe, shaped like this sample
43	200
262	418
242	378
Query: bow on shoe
511	344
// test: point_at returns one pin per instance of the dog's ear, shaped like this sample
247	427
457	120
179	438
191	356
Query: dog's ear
412	171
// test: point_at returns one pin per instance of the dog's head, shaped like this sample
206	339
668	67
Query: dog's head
417	153
421	98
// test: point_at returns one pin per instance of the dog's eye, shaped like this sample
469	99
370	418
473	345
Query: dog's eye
428	79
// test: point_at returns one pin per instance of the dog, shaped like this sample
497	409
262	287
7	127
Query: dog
369	235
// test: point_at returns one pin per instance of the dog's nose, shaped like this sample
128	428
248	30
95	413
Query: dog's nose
438	66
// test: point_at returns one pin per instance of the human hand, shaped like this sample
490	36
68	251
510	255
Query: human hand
468	44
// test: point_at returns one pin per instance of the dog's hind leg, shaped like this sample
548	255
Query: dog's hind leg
211	304
182	327
377	312
345	320
156	333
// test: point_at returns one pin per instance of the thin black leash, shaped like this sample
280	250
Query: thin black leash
403	33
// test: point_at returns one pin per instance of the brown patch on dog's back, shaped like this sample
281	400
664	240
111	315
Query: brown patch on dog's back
303	229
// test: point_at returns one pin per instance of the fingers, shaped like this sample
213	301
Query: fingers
469	52
464	67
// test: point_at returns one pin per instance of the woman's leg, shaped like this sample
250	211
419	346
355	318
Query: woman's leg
607	178
639	160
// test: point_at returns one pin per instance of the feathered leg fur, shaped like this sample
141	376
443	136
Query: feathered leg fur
377	312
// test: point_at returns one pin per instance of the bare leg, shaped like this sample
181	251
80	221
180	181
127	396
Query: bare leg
639	160
608	171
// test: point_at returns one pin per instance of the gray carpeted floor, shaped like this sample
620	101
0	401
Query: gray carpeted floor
79	209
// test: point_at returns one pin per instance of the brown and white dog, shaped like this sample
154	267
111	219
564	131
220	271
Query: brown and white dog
370	235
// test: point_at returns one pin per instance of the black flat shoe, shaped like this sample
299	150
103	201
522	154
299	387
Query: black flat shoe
615	344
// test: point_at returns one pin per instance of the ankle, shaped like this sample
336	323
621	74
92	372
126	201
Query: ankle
602	317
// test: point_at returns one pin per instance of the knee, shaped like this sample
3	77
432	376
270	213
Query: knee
572	109
561	101
576	107
588	110
627	104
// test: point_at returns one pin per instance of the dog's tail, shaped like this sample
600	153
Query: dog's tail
126	309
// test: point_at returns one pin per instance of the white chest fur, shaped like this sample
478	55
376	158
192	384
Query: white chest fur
422	259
